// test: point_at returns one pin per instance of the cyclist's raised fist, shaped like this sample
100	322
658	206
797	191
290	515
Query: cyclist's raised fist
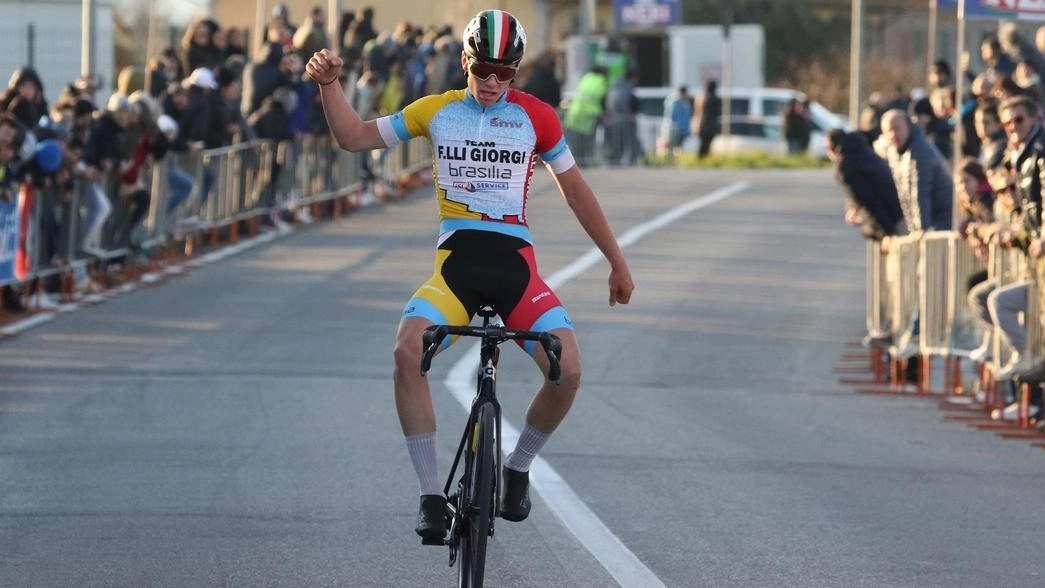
324	67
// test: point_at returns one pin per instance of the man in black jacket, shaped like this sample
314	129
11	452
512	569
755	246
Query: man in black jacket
871	200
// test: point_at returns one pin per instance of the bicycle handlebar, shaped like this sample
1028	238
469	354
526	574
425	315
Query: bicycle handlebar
433	337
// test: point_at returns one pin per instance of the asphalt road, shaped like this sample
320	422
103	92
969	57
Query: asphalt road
235	426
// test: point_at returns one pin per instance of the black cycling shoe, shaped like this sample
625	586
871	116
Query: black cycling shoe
515	504
431	517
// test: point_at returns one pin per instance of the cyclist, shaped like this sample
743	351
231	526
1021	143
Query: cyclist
486	140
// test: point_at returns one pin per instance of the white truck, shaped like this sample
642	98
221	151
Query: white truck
695	54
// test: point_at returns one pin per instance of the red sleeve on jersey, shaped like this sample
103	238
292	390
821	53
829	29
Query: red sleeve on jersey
544	118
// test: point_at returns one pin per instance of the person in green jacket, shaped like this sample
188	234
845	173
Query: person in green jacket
584	112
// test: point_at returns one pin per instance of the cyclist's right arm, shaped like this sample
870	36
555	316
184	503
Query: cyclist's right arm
350	131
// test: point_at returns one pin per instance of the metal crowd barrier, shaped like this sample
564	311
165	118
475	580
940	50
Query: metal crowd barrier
902	273
965	332
877	291
229	184
936	292
916	293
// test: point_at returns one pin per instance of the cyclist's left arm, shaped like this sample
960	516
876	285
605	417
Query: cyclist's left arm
586	208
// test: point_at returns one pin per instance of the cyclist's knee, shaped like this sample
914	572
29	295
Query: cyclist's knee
571	379
570	370
407	352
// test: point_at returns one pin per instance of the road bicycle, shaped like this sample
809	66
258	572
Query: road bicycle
472	507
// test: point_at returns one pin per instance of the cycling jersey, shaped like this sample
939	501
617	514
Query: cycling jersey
484	157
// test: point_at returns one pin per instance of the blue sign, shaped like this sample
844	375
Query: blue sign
646	14
998	9
8	239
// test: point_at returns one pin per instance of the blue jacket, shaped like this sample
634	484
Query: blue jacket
680	112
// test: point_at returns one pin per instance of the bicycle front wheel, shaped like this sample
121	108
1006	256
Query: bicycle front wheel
480	500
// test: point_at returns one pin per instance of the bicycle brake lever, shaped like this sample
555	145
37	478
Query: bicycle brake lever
430	340
553	348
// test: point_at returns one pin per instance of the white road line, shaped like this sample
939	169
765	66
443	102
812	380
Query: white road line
596	537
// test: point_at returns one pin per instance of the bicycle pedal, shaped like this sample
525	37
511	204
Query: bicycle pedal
440	541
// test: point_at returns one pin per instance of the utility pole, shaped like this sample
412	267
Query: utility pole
727	64
587	14
258	38
87	37
855	58
333	26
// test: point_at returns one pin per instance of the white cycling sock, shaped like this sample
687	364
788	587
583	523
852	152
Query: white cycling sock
530	443
422	454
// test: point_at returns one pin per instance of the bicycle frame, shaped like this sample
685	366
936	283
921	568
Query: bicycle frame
486	394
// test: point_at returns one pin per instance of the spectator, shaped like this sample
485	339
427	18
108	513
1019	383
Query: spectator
797	126
158	75
923	181
24	97
172	66
678	113
179	181
262	77
937	130
197	50
707	115
343	24
279	28
414	74
392	94
104	154
364	101
543	83
974	196
234	42
622	107
999	65
230	88
281	18
146	145
1025	54
1020	181
583	114
976	202
940	78
206	122
130	79
272	121
360	32
86	87
440	71
991	135
311	36
870	122
871	199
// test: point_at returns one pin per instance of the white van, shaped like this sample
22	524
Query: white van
746	104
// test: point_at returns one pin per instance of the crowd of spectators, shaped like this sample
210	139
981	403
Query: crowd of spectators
206	93
985	153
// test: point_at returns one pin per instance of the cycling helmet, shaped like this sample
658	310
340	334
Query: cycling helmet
495	36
